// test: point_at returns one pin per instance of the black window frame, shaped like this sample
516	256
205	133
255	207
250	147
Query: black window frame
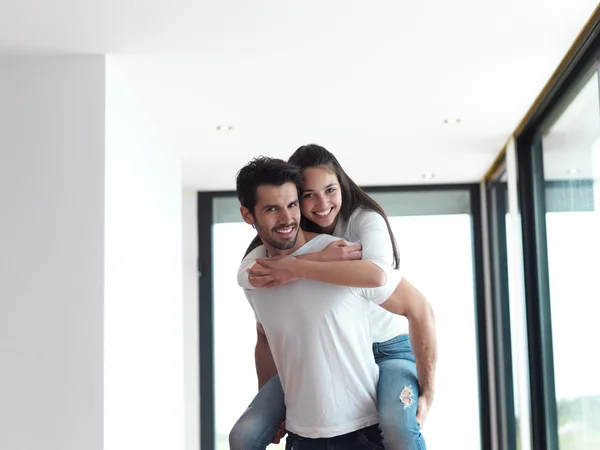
206	298
576	69
502	358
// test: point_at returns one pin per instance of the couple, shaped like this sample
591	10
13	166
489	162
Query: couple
332	316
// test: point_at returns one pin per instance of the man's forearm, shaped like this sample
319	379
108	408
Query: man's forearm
408	301
424	343
265	366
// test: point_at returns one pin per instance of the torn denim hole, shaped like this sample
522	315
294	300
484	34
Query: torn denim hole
407	397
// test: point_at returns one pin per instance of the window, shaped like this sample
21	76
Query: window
571	155
434	231
511	365
436	256
234	330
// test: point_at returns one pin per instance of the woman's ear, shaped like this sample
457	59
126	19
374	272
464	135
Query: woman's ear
247	215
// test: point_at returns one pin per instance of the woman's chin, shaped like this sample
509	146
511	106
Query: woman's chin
322	222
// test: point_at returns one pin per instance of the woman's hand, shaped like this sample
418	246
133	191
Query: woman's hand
255	280
272	272
341	250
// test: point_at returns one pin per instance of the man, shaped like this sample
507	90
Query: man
318	333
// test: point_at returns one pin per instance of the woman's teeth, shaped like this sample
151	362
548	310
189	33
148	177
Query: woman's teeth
323	213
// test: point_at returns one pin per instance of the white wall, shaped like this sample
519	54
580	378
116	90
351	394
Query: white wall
190	320
51	252
144	381
90	264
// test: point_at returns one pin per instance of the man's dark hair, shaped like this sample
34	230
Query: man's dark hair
260	171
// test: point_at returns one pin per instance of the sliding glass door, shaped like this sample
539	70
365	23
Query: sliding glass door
434	230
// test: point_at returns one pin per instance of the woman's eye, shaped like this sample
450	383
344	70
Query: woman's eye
307	196
330	190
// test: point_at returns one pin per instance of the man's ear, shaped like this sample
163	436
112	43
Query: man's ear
247	215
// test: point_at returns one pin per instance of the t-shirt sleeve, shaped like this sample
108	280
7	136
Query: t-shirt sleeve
381	294
370	229
251	305
247	263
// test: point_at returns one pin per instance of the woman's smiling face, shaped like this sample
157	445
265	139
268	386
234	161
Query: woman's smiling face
321	198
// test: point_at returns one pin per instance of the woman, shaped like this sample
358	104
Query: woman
332	203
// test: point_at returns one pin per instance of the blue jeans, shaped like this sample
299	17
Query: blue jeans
397	394
366	439
261	420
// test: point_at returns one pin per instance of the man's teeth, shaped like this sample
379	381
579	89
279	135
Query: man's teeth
285	230
323	213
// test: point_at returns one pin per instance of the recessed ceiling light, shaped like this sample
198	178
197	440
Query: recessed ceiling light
428	176
224	128
573	171
452	121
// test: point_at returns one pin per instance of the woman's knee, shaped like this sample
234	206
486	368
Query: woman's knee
245	436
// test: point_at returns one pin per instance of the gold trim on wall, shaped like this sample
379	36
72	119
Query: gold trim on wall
568	58
496	165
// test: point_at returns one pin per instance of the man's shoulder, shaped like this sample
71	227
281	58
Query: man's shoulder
322	239
317	243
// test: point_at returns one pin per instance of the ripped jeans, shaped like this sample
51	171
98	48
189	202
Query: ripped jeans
397	394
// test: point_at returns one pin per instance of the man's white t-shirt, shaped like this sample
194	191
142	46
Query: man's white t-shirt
321	341
369	229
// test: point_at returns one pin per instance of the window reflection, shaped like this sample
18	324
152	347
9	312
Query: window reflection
572	173
234	330
436	255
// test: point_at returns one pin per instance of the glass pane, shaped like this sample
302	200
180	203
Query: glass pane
436	256
572	173
505	382
517	319
234	331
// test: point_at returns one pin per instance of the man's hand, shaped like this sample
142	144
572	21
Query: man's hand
422	410
274	271
341	250
281	432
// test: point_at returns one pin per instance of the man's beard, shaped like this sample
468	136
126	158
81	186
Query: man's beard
268	237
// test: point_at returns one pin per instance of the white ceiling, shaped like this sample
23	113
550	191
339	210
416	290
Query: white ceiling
370	80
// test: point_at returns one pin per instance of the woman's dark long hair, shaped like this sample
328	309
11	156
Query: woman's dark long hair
353	197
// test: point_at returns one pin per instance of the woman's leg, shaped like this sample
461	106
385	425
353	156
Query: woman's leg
259	423
397	395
